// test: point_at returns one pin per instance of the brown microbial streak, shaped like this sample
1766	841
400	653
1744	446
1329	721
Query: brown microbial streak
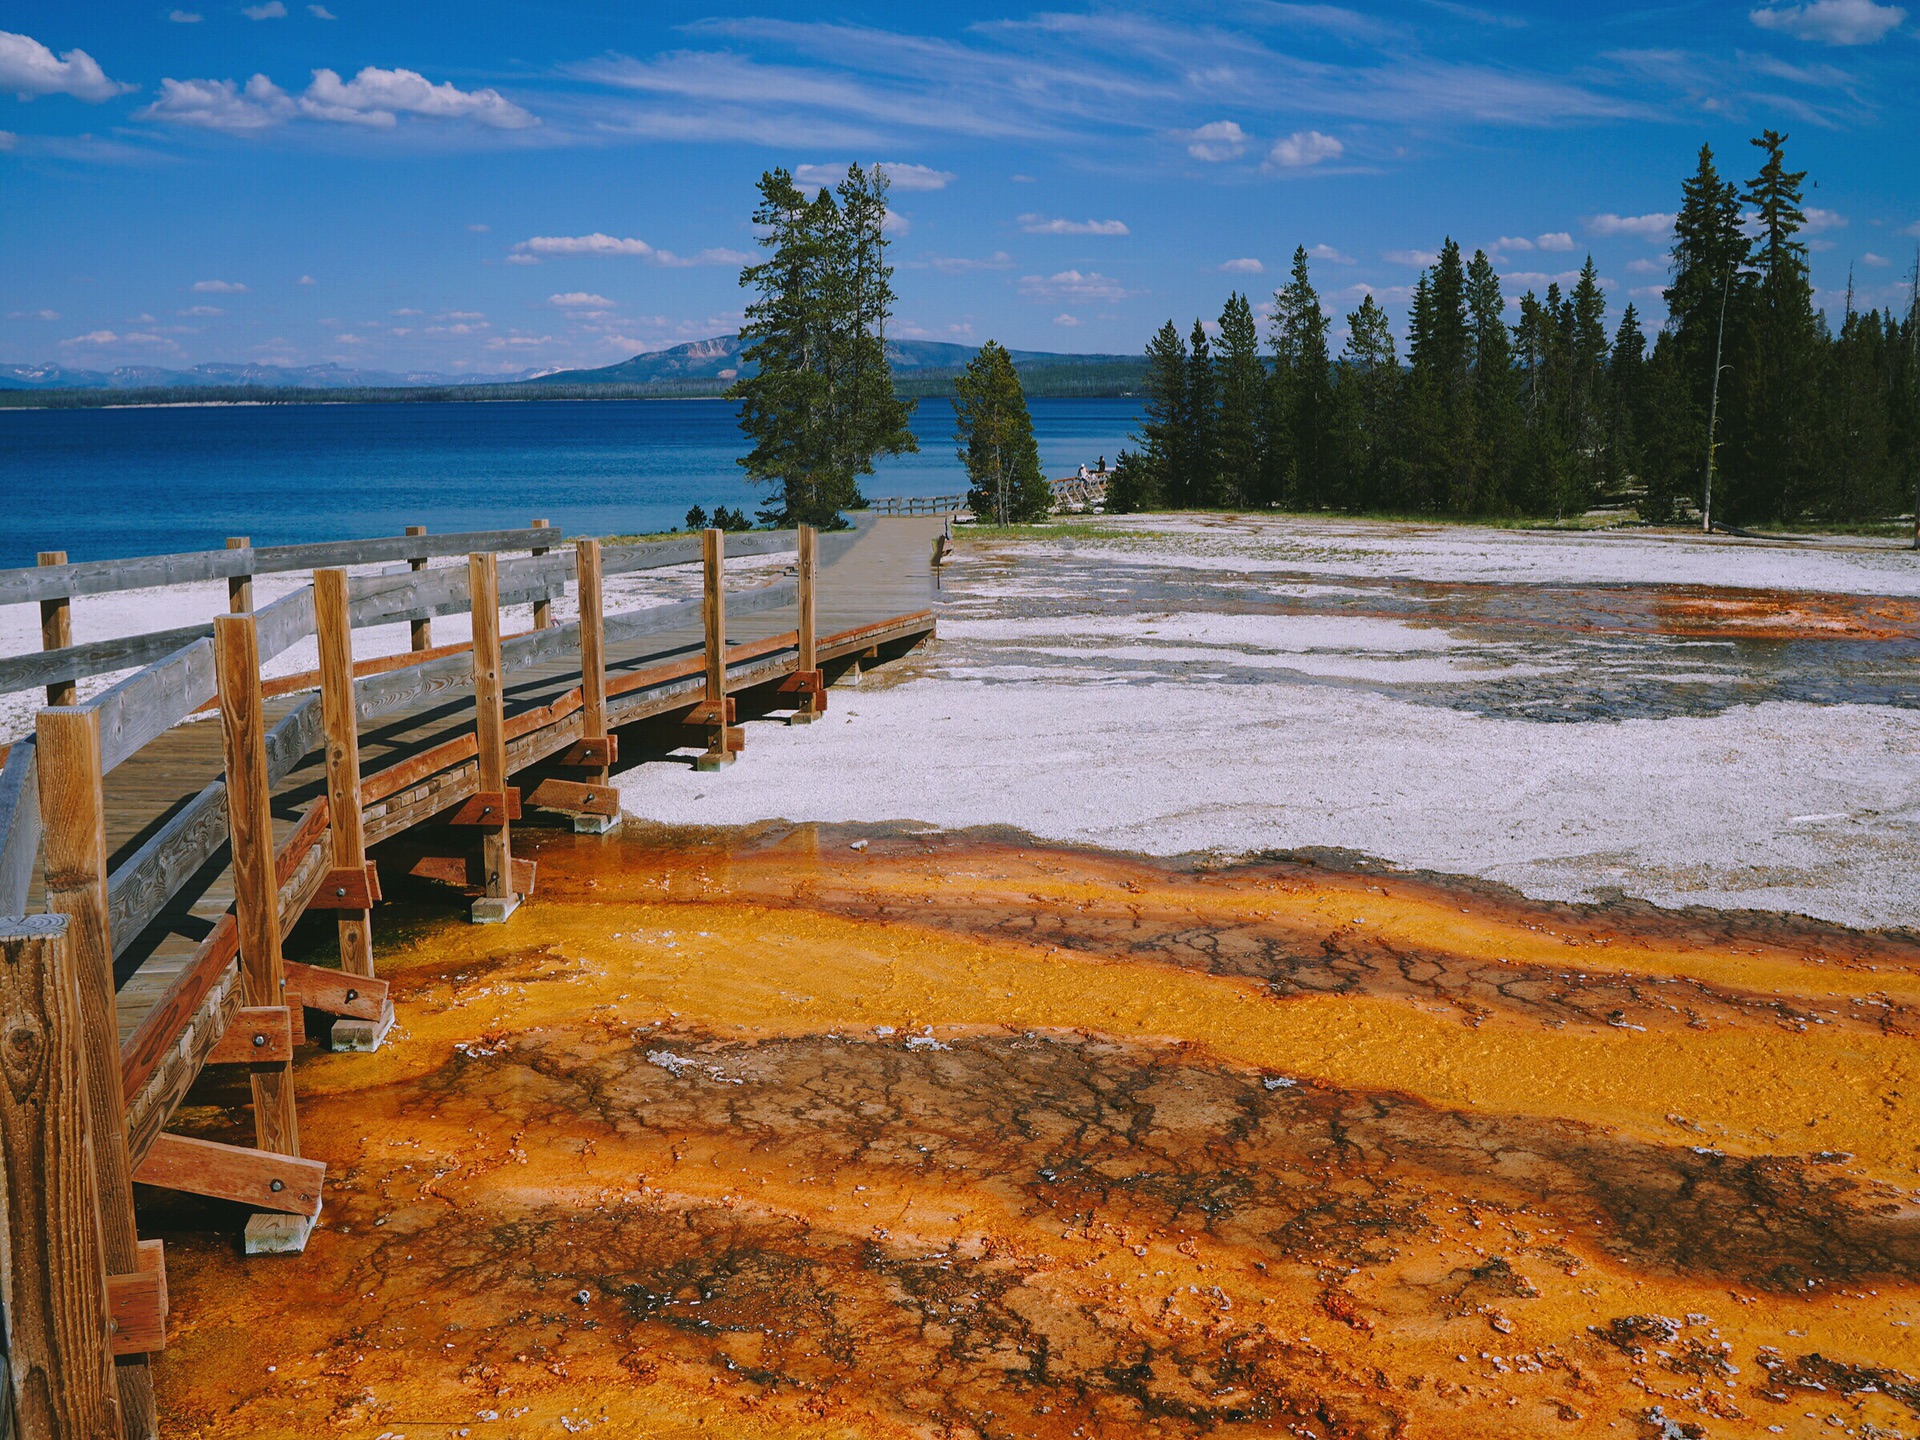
757	1134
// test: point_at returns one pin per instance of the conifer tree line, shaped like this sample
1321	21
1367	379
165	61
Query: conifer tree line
1547	413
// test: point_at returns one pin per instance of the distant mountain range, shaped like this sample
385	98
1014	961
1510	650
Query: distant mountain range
700	367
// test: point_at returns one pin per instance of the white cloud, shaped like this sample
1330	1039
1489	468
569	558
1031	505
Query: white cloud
408	310
28	68
1245	265
1653	227
1040	225
373	98
271	10
219	287
8	139
1222	140
900	175
1872	259
961	265
580	300
1554	240
1330	255
34	315
320	12
1420	259
1831	22
1072	285
1303	148
1066	320
478	229
202	311
109	337
1540	279
306	280
528	252
894	223
1913	230
1644	266
1818	219
185	17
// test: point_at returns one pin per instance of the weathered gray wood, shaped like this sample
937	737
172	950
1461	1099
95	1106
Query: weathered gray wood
384	599
285	622
19	827
537	645
150	877
377	695
658	554
295	736
94	657
655	619
103	577
146	704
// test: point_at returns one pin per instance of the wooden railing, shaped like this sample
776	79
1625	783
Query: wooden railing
92	1119
918	505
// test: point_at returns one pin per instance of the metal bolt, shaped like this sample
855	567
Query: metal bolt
276	1186
353	994
341	891
259	1042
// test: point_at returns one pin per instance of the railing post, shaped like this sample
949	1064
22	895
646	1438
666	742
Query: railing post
542	608
56	630
350	876
593	675
239	587
256	894
423	627
490	731
808	573
73	812
59	1338
713	555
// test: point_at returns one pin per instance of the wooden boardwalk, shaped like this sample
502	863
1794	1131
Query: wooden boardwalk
174	852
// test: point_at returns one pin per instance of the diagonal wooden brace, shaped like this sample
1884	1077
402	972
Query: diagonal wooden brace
710	712
287	1184
337	993
489	808
593	753
347	888
137	1303
259	1034
466	872
577	798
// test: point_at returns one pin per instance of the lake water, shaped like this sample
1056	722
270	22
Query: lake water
101	484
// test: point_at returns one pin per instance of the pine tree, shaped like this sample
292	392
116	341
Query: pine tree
1162	438
1496	401
1709	259
1369	409
1202	423
1441	421
1242	381
994	433
1586	332
1626	396
1130	486
1300	344
820	404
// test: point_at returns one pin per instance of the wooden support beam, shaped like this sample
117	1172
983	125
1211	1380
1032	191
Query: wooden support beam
422	638
56	631
490	732
73	810
490	808
595	750
137	1303
724	711
334	992
575	798
812	702
256	887
352	890
239	587
542	608
713	611
60	1360
341	722
263	1179
258	1035
466	874
592	754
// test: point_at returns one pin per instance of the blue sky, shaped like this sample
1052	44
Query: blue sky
499	184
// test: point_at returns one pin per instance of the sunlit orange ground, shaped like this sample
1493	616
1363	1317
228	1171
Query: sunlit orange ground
763	1135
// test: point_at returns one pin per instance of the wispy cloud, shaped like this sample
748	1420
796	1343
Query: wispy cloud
580	300
1831	22
1041	225
1245	265
961	265
1304	148
185	17
1073	285
271	10
1217	141
1330	255
900	176
531	250
1654	226
1419	259
29	68
219	287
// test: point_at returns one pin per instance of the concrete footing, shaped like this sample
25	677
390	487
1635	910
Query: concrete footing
278	1234
711	761
595	824
361	1035
493	910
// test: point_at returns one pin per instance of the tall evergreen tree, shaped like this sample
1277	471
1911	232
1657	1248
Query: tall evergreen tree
1496	400
994	433
820	404
1440	419
1300	345
1242	381
1369	409
1162	438
1202	423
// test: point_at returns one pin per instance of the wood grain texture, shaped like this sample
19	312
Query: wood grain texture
145	882
420	633
807	606
489	721
255	884
19	824
258	1034
341	723
359	997
146	705
239	587
264	1179
137	1303
55	1280
713	617
160	1031
75	872
56	631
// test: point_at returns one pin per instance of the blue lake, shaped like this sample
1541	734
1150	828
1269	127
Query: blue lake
101	484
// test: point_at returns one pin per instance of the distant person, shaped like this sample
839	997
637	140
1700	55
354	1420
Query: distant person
1103	464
